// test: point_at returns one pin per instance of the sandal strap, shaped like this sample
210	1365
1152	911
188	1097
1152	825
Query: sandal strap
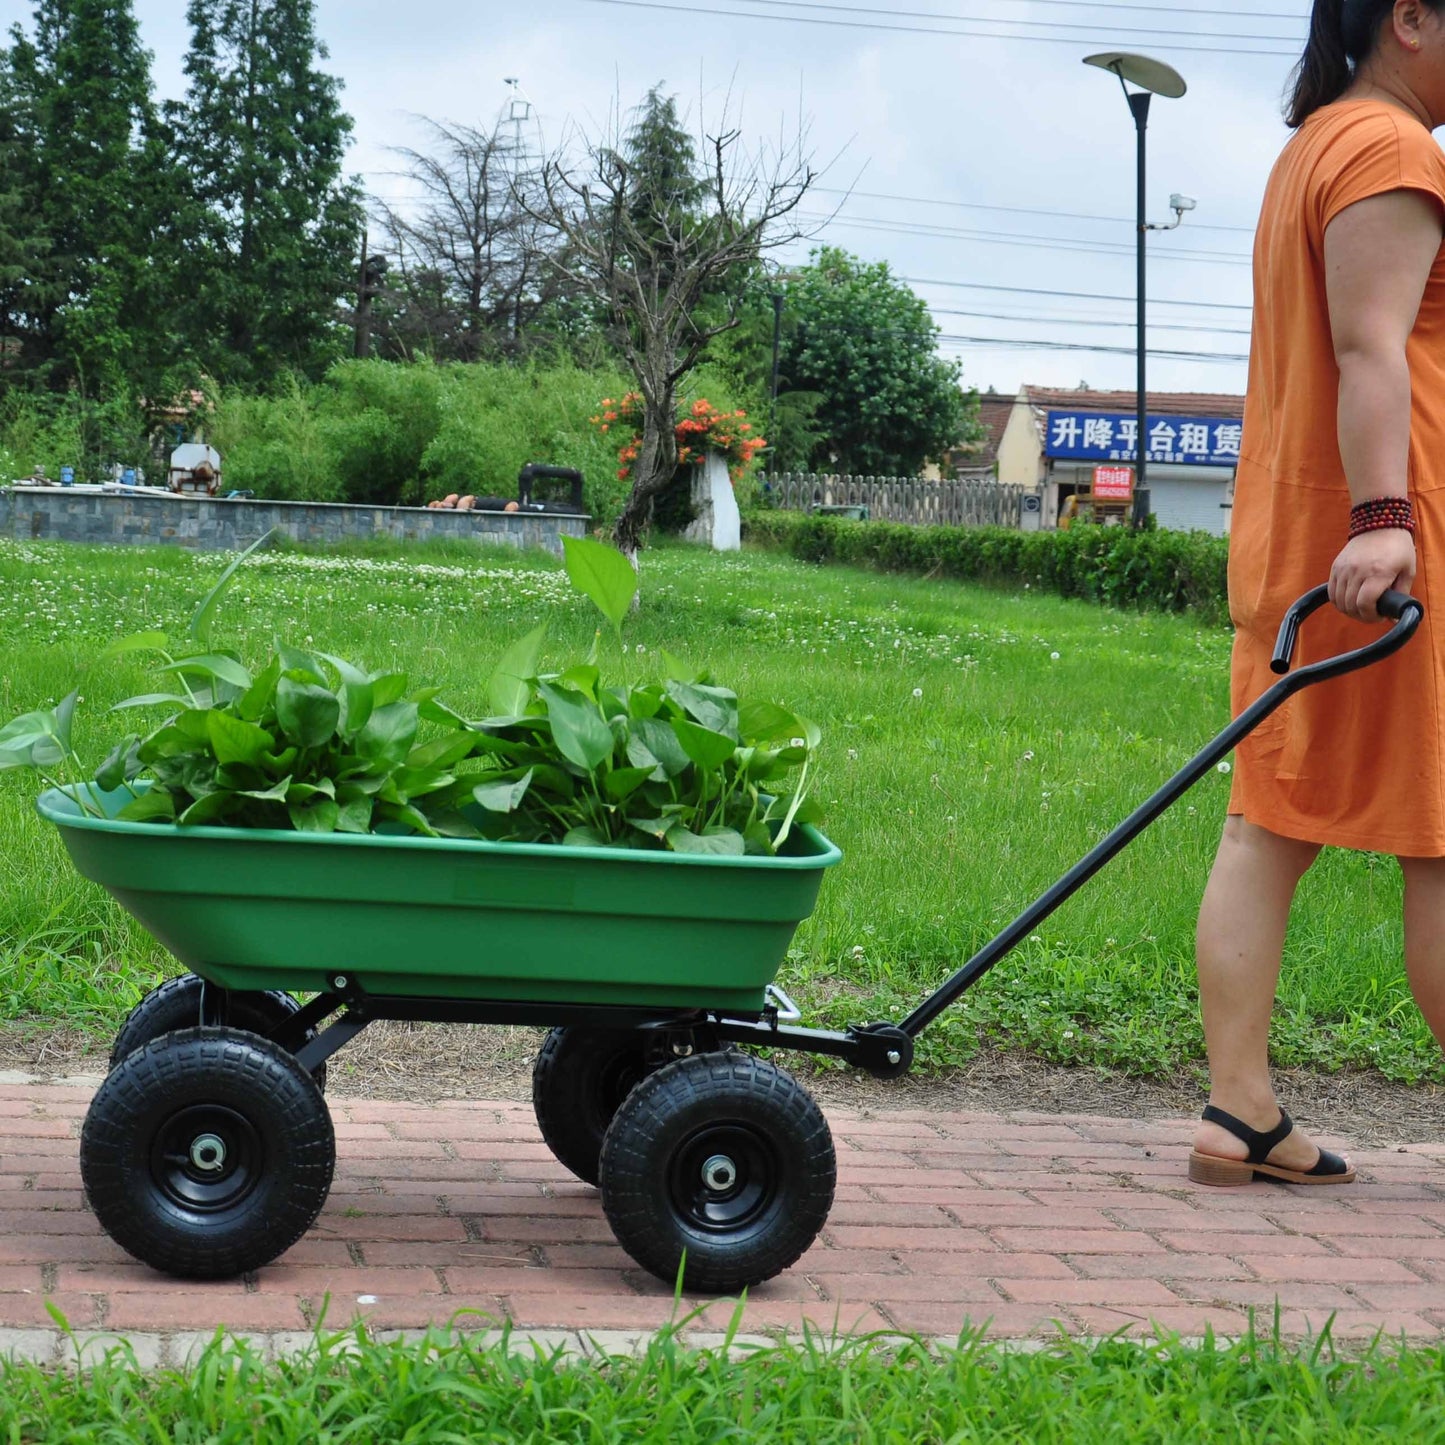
1259	1143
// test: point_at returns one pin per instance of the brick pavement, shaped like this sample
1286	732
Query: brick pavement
1027	1222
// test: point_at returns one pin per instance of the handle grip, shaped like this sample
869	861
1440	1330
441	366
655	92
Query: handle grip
1406	612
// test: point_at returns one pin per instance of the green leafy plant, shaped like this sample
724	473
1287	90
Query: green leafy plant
312	742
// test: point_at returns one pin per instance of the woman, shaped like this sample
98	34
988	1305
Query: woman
1342	474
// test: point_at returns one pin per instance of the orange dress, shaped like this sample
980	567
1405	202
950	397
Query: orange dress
1358	762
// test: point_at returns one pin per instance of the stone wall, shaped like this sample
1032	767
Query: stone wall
213	524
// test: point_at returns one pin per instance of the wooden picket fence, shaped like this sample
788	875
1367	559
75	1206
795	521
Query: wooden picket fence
965	501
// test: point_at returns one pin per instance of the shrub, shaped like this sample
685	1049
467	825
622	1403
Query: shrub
1171	571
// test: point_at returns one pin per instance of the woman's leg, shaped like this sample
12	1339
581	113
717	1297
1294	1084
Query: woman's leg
1425	938
1242	924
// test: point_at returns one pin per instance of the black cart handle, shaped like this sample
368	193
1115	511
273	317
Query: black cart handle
1405	611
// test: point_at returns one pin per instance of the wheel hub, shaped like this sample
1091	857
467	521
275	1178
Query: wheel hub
719	1173
207	1158
208	1153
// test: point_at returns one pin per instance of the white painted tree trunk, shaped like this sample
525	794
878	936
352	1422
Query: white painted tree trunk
717	521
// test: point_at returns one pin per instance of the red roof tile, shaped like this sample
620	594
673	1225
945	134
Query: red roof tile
1161	403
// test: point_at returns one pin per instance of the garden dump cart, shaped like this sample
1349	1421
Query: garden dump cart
208	1149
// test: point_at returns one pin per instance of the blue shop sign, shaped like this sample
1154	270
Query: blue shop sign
1090	436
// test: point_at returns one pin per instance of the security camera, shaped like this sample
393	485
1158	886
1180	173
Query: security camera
1182	203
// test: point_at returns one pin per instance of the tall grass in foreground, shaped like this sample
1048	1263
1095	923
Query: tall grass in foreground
976	744
451	1388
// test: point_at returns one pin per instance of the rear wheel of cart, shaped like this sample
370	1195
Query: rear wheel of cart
177	1004
582	1076
721	1164
207	1152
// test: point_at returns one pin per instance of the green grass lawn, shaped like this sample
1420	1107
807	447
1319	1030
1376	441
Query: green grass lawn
976	744
885	1391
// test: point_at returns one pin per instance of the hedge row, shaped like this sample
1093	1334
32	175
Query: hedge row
1171	571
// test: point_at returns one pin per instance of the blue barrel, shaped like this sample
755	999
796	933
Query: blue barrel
67	476
127	477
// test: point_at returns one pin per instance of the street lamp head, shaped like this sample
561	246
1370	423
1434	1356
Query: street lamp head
1182	203
1141	70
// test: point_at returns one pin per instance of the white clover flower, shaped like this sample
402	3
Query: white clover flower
640	649
1028	757
1224	768
798	743
1068	1033
859	951
917	692
852	755
1053	657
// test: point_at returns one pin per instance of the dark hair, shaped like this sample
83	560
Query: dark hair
1343	34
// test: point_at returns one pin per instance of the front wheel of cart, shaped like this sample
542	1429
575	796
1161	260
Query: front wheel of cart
184	1002
207	1153
720	1164
582	1076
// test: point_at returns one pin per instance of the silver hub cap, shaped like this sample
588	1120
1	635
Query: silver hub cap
720	1173
208	1154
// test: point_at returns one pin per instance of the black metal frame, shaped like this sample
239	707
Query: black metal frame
883	1050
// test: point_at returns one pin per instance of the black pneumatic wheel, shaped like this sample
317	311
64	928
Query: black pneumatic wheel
176	1004
581	1078
207	1153
722	1158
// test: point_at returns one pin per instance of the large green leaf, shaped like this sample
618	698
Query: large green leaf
319	817
358	696
764	722
212	664
604	574
234	741
510	686
121	765
152	699
706	748
389	733
503	795
206	610
581	734
155	805
252	704
443	752
713	707
136	642
30	742
722	842
659	741
302	666
308	714
622	783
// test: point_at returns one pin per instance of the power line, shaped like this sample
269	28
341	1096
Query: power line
1020	239
1073	295
1024	24
928	30
1068	320
1008	343
1179	10
1012	210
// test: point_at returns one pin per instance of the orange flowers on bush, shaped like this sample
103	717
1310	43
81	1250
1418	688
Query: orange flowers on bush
701	429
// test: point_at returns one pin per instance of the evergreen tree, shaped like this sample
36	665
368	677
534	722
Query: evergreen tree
664	189
79	114
273	229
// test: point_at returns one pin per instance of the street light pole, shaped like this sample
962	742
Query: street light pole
1154	78
1139	105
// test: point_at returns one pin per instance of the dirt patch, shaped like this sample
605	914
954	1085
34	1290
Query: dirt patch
439	1061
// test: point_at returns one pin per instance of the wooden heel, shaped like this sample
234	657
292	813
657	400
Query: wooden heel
1207	1169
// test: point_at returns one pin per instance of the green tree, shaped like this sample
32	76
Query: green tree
272	226
868	347
90	166
651	264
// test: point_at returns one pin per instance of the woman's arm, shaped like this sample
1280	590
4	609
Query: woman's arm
1378	255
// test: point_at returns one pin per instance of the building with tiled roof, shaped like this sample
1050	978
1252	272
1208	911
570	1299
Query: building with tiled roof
1056	439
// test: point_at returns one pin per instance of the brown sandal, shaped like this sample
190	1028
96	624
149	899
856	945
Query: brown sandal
1211	1169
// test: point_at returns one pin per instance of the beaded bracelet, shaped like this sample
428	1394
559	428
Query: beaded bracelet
1380	513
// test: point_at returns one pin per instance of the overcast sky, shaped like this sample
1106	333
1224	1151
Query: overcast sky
988	157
